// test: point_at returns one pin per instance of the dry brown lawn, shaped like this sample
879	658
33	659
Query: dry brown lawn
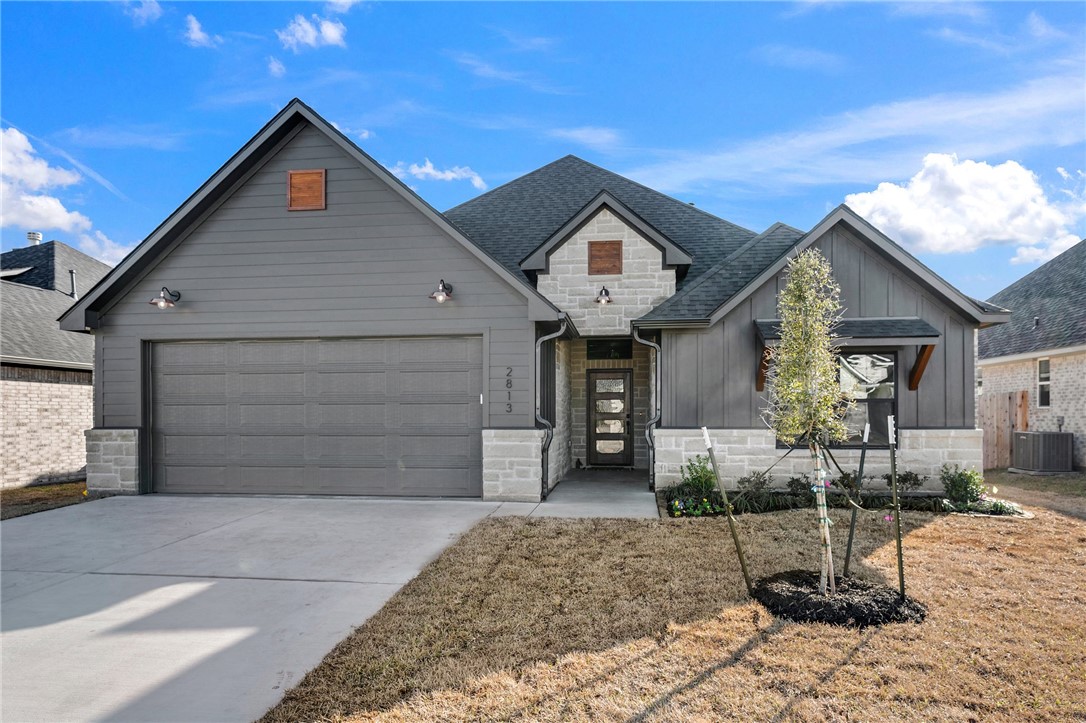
544	620
1065	493
28	500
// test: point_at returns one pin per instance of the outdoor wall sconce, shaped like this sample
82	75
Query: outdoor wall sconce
166	299
604	297
443	293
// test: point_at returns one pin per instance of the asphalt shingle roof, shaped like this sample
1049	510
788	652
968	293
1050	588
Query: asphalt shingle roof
889	328
511	221
29	329
1054	294
730	275
49	264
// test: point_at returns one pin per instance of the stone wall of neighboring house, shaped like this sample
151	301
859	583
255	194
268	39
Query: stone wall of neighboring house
44	413
743	451
1067	390
643	284
642	397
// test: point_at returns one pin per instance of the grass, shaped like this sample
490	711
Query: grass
28	500
542	620
1064	493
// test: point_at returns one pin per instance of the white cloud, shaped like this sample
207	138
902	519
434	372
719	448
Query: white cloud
340	6
25	179
797	58
300	33
427	172
103	248
151	136
526	43
596	137
143	12
960	206
196	36
276	68
360	133
482	69
970	10
868	145
1040	29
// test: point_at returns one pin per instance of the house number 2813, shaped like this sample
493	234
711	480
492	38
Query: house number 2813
508	393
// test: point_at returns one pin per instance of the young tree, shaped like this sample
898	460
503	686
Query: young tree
806	402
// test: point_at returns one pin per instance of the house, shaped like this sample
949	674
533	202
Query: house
45	373
316	327
1043	348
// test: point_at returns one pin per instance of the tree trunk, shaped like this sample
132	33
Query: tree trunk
826	581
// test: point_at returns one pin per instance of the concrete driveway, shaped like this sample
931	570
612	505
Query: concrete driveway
160	608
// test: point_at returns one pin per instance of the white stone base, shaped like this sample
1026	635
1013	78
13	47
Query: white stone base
113	461
743	451
512	465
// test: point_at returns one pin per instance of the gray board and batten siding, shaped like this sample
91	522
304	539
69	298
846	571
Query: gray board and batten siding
709	374
364	267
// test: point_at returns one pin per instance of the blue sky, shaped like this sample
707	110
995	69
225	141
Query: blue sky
957	128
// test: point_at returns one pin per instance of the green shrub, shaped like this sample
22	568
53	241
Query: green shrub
800	486
698	477
754	482
907	481
850	482
962	486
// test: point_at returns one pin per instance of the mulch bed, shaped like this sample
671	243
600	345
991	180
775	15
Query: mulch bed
858	604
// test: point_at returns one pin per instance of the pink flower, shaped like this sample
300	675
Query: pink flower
889	518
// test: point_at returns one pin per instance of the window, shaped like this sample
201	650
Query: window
870	379
1044	383
610	349
305	190
604	257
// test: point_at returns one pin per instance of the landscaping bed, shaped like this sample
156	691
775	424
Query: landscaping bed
545	620
19	501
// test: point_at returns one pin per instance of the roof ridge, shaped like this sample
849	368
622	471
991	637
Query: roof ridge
511	181
1025	280
662	194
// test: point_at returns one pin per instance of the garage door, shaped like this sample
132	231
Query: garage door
321	416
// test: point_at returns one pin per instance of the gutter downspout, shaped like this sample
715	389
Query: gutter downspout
548	433
651	424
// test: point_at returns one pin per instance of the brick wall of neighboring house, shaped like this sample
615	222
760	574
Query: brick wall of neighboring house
44	414
1068	394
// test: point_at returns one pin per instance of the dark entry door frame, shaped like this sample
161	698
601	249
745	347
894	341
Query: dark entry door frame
610	417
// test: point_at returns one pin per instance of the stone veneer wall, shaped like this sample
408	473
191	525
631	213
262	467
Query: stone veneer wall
742	451
513	465
44	413
643	284
560	458
642	402
113	460
1068	394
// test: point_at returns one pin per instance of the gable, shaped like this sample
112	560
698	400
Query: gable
278	133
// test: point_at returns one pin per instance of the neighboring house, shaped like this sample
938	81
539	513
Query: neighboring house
45	373
1042	351
334	334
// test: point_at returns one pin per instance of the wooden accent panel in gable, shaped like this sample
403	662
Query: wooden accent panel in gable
604	257
305	190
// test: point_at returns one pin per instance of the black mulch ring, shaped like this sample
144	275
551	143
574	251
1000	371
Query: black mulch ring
794	595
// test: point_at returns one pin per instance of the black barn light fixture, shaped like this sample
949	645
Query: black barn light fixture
443	292
604	297
166	299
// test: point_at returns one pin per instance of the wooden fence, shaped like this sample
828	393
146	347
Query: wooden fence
1000	415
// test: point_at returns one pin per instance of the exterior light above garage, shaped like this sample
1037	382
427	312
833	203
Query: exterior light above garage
604	297
443	292
166	299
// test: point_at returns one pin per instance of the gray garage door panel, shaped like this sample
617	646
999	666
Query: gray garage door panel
328	416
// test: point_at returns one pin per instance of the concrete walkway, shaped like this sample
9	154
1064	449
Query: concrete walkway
159	608
593	493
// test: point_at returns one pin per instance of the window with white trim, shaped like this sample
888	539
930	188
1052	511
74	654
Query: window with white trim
1044	383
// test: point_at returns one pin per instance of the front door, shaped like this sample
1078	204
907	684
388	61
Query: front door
610	435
